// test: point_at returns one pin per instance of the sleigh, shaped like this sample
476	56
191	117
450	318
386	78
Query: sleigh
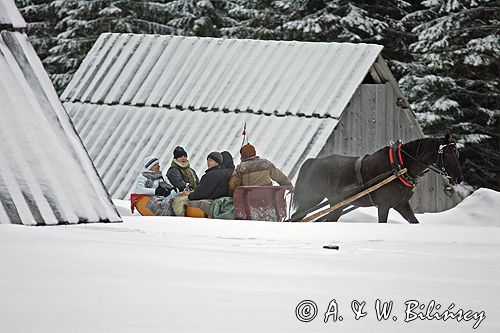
260	203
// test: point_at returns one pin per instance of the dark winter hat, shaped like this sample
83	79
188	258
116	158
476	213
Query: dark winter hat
150	161
247	151
216	156
179	151
227	160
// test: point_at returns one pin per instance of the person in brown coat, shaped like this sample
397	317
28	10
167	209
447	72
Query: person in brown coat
254	170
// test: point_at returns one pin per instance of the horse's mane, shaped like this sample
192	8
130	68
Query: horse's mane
421	146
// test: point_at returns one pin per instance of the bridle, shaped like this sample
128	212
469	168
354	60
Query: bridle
441	169
437	167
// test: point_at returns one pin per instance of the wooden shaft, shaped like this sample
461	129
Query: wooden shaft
348	193
355	197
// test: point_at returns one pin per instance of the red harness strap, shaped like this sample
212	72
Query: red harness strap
391	159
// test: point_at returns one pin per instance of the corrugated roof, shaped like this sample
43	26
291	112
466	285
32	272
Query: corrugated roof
271	77
46	176
118	138
10	16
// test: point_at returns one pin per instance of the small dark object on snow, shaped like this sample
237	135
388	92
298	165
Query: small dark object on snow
331	247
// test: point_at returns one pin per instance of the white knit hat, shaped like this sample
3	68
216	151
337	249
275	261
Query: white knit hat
150	161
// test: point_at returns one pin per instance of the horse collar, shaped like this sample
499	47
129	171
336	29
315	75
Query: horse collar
397	165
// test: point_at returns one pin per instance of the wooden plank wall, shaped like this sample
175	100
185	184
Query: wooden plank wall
370	121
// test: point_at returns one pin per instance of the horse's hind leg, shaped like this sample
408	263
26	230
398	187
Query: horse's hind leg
383	213
406	211
332	216
307	203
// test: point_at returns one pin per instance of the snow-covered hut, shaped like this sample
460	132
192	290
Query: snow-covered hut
136	95
46	175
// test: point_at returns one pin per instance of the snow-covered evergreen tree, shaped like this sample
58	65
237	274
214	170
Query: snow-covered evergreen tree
453	85
199	17
41	19
260	19
354	21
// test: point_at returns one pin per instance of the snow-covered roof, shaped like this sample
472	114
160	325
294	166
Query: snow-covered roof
46	175
271	77
10	16
118	137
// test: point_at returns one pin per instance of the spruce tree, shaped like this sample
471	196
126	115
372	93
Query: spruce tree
355	21
453	84
199	18
260	19
40	17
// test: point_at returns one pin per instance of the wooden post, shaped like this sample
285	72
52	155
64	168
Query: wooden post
354	197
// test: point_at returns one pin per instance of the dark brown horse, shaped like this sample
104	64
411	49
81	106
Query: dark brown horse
334	175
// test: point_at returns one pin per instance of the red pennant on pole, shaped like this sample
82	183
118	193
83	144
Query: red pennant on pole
244	133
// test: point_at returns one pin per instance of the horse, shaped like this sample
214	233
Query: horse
333	175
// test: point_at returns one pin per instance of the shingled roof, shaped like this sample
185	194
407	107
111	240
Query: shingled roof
136	95
270	77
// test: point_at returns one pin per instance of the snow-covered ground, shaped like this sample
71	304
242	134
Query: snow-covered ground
173	274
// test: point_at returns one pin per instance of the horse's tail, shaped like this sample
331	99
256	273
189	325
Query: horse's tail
300	192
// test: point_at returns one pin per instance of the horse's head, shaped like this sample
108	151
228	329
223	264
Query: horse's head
447	159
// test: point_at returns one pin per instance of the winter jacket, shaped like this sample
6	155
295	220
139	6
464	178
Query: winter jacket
227	162
213	185
147	182
177	174
258	172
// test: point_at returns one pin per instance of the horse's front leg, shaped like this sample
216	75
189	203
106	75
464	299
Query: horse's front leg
407	212
383	213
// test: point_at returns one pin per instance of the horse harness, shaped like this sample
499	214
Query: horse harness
359	176
407	179
397	165
396	161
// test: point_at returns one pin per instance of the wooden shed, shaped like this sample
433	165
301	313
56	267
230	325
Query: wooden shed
136	95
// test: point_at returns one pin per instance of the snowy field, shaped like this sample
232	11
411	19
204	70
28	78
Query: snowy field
187	275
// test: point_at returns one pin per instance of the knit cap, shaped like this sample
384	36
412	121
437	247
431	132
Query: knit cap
247	151
179	151
216	156
150	161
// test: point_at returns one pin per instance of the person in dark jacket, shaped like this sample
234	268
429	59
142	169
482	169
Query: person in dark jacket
180	173
227	162
214	183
